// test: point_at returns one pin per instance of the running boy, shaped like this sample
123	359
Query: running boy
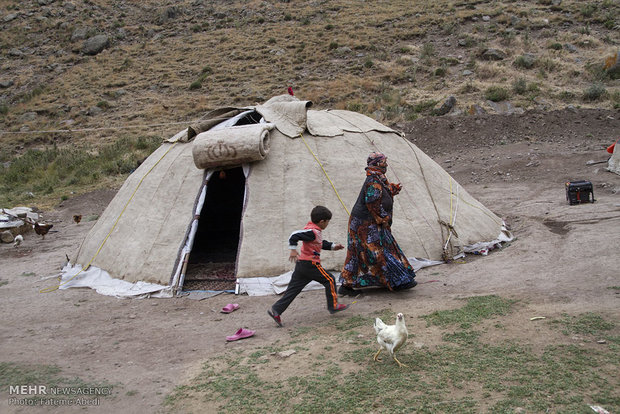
308	267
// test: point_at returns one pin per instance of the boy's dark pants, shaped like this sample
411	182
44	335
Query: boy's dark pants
305	272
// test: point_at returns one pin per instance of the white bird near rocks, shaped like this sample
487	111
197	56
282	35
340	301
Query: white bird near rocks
391	337
18	240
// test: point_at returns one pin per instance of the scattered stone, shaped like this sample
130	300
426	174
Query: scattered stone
79	34
6	84
95	45
94	110
286	354
6	237
446	107
476	110
505	107
467	72
493	54
28	116
570	48
612	66
10	17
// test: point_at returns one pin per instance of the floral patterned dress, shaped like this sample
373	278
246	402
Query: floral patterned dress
373	255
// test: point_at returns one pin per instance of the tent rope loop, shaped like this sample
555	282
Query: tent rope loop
326	175
53	288
450	227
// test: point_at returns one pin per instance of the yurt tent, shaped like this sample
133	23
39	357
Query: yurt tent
234	187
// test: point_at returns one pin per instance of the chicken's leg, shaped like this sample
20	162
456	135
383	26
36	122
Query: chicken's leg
376	358
400	364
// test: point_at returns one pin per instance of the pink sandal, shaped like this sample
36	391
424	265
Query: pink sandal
240	334
230	307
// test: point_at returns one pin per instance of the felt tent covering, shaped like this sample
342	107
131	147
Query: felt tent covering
315	158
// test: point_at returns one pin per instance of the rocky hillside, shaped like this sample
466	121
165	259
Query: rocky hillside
83	72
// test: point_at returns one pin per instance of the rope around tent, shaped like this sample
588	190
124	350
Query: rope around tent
53	288
326	175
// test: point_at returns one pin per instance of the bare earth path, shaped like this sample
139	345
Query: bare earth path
565	259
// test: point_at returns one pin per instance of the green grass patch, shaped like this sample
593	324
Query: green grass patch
584	324
476	310
59	170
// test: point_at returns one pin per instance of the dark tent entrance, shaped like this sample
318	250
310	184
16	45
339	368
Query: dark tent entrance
212	259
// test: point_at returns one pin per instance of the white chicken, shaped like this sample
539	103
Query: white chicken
391	337
18	240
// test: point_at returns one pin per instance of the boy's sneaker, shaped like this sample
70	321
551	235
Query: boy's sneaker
275	317
338	308
348	291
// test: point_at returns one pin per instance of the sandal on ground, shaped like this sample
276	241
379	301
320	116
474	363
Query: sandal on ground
230	307
240	334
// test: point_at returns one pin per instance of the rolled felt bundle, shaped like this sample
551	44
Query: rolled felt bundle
231	146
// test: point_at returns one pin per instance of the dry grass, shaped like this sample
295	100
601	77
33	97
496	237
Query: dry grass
173	62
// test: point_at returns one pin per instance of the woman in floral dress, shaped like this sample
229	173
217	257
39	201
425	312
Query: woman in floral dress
373	256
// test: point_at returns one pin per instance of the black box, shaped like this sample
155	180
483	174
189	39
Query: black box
578	192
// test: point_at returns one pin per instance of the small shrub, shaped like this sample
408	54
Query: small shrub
329	27
533	88
594	92
103	104
369	63
333	45
4	109
469	87
355	107
195	85
615	99
588	10
524	62
567	96
555	46
424	106
428	51
519	86
440	72
496	94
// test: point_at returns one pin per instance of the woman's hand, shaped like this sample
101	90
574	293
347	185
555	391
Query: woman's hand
384	221
396	188
338	247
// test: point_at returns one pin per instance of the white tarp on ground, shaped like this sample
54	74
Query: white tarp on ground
103	283
262	286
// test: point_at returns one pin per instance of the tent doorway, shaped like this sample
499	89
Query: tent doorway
212	260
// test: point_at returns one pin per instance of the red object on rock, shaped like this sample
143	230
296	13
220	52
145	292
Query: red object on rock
610	149
290	91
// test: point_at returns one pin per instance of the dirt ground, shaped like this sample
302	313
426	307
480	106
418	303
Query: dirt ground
564	259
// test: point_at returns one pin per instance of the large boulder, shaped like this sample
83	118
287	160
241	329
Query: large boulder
95	45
